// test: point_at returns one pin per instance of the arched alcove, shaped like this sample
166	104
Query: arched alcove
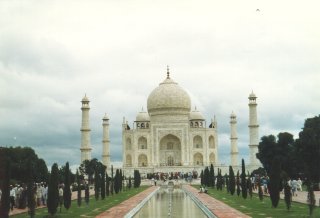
142	160
170	151
198	159
128	144
211	142
212	158
197	142
129	160
142	143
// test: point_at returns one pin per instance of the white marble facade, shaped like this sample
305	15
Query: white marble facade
169	135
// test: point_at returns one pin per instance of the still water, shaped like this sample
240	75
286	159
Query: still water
169	202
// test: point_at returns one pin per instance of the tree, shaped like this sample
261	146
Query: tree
211	176
87	167
232	181
243	180
275	181
121	179
129	184
107	185
283	149
136	179
287	195
250	188
116	182
53	192
78	189
97	182
103	183
260	192
66	188
19	158
238	184
31	191
201	178
5	175
86	194
111	181
206	177
308	148
227	183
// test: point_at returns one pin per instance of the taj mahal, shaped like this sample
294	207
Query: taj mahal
171	136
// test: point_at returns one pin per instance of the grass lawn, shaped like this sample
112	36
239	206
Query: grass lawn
93	209
256	208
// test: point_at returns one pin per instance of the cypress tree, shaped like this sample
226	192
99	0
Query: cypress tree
5	175
211	176
201	178
96	183
311	197
53	191
238	184
66	188
249	186
103	183
287	195
221	180
244	181
107	185
86	194
227	183
121	179
213	179
275	181
232	181
260	192
206	176
129	184
116	182
139	177
111	181
78	189
31	190
218	180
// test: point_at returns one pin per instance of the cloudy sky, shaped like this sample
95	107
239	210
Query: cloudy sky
53	52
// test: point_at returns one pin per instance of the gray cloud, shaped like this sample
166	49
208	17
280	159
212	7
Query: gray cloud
116	52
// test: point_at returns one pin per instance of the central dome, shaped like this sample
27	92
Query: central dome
168	98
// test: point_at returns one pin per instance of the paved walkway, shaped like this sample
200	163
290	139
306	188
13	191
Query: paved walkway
124	207
301	197
218	208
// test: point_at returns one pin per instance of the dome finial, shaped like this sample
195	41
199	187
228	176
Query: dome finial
168	73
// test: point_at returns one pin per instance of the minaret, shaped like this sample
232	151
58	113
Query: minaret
105	142
85	131
234	140
253	130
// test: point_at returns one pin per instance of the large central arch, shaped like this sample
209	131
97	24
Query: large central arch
170	151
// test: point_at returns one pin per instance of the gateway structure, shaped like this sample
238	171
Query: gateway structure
169	136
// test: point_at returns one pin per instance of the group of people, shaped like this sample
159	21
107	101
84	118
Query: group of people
19	198
295	185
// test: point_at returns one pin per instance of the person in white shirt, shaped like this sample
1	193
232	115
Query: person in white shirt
44	192
12	196
299	184
60	196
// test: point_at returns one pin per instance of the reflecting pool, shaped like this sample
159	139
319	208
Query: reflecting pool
170	202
